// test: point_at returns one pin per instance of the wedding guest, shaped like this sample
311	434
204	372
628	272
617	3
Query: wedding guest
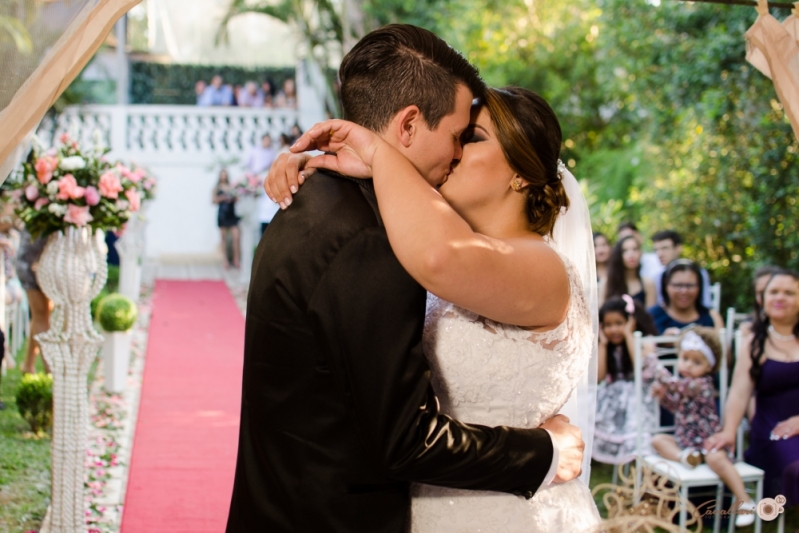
251	96
227	220
268	90
260	157
40	306
691	396
682	300
288	96
295	132
199	91
259	161
616	423
650	264
624	274
602	252
218	94
285	143
768	368
668	247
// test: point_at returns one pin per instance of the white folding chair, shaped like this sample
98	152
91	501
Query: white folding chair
734	320
715	297
686	478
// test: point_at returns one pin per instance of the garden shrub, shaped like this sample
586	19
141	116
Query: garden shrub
116	313
35	401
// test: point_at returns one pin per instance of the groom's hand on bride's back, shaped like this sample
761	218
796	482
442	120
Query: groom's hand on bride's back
569	441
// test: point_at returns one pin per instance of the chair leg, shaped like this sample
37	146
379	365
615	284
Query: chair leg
781	523
759	494
719	503
614	480
683	508
731	518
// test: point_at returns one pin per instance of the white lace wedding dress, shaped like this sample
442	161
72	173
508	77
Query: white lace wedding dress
495	374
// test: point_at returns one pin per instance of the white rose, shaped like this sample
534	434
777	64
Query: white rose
57	209
122	205
74	162
52	189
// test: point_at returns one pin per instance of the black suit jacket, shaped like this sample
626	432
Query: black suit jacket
338	416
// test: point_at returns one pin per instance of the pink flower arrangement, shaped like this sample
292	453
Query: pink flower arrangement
67	187
78	215
110	186
92	195
45	167
135	200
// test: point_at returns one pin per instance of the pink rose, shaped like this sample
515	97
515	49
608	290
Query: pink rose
68	188
92	196
134	199
45	166
109	185
41	202
149	183
64	138
31	192
78	215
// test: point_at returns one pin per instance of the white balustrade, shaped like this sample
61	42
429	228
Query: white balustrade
142	130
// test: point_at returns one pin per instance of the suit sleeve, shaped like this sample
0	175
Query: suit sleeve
369	315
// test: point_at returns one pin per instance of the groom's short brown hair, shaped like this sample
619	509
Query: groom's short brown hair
401	65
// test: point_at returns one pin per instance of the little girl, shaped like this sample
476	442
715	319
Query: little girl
692	399
616	427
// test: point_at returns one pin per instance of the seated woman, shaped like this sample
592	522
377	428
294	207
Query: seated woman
768	368
682	300
624	274
602	253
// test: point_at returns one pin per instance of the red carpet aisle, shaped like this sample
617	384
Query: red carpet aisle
184	451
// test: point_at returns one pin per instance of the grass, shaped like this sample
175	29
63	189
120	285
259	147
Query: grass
24	463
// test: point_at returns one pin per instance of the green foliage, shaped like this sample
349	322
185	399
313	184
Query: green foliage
24	462
116	313
95	303
156	83
35	401
112	282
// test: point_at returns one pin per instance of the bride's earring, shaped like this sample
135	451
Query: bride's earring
517	184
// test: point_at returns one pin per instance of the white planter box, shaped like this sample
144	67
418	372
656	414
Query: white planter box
116	358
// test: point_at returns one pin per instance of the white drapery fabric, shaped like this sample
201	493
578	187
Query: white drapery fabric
51	51
772	48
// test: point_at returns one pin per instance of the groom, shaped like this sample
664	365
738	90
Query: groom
338	416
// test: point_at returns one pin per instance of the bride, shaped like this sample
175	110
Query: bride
510	329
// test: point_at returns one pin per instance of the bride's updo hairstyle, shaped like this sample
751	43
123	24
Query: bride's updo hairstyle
530	136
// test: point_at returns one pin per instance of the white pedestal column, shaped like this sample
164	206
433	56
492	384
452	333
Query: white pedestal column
72	271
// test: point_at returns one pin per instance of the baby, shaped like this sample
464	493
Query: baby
692	399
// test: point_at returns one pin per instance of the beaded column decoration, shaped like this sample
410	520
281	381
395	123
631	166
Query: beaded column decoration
72	270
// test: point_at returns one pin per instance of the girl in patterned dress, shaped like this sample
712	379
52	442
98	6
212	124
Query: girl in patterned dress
692	399
616	427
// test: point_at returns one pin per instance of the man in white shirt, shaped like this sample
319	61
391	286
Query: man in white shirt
258	161
668	247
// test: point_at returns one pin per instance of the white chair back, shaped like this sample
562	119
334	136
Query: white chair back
715	297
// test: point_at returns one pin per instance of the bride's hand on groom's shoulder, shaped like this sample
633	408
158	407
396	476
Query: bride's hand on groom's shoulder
569	441
285	177
349	148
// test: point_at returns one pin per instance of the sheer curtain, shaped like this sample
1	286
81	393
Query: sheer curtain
772	48
43	46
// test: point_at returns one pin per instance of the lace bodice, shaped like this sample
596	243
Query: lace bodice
495	374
